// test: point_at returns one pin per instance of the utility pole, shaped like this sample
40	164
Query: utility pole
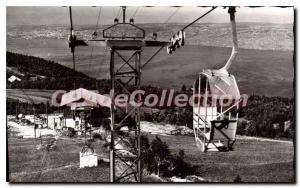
72	37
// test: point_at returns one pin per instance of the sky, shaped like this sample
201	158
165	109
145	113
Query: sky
50	15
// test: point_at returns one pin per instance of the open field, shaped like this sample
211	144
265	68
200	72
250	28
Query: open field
252	160
26	164
30	95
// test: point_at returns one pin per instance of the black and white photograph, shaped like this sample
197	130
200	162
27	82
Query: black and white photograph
150	94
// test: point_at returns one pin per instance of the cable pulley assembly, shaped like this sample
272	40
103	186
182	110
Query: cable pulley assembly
178	40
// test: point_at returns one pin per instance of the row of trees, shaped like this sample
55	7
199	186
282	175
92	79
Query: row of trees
271	117
267	117
175	116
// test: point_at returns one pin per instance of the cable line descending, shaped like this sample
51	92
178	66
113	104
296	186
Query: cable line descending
171	16
135	12
202	16
95	34
73	41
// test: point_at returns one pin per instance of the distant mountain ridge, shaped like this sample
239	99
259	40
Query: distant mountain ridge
264	36
266	68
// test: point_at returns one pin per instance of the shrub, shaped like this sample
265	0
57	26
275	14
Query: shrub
97	136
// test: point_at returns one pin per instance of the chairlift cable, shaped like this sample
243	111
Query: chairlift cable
136	10
66	20
213	8
91	58
173	14
98	19
105	50
168	19
119	13
72	41
71	18
94	35
116	13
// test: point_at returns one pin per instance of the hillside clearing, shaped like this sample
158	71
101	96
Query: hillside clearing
253	160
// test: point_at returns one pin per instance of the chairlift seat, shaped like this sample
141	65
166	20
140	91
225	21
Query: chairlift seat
223	129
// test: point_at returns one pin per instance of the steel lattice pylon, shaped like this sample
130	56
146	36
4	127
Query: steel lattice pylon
130	38
126	40
125	74
123	79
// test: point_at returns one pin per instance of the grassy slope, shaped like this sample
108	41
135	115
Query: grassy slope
61	165
35	95
253	161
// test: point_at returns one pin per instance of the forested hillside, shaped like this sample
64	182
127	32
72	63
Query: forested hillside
48	74
268	117
262	116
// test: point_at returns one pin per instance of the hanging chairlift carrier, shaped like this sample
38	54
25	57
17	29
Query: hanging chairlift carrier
215	123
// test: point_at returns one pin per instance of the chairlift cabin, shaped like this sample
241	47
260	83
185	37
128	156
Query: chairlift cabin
215	115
